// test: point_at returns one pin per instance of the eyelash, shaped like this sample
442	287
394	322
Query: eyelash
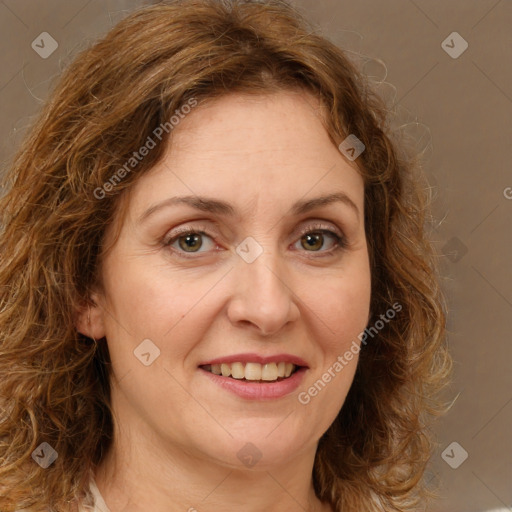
340	240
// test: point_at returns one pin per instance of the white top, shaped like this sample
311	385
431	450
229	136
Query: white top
99	502
100	505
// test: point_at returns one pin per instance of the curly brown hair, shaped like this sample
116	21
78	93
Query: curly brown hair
54	384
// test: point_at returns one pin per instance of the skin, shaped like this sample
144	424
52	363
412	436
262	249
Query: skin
176	433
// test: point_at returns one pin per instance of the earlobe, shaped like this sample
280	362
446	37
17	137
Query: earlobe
89	320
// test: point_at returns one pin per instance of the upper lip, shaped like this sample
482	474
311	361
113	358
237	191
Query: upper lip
256	358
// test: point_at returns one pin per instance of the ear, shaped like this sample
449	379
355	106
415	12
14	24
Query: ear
89	319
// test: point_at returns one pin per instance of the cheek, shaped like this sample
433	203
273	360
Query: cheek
151	302
342	315
342	307
146	299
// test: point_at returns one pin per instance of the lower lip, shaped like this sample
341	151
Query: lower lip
258	390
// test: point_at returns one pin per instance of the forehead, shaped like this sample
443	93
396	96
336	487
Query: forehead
263	150
263	128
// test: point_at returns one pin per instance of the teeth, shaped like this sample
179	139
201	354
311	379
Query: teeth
225	369
254	371
237	371
269	372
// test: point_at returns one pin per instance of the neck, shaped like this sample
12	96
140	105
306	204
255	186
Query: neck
171	479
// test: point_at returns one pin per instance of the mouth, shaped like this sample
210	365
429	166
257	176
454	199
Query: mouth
255	376
253	371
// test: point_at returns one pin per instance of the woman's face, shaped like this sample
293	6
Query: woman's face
261	277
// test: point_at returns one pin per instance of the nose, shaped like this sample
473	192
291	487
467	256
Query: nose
263	295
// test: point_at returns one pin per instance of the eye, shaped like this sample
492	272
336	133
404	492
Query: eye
314	239
190	241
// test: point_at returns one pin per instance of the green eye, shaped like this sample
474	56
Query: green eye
313	241
191	242
197	241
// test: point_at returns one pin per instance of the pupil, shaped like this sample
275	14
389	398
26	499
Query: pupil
314	241
190	241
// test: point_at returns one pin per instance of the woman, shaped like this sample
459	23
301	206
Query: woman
216	287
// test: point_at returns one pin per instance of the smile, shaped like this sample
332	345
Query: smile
253	376
269	372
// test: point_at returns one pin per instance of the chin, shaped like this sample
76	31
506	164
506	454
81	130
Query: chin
257	449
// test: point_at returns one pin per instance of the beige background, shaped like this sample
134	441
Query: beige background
464	107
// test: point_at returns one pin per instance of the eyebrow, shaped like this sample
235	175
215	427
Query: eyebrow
215	206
